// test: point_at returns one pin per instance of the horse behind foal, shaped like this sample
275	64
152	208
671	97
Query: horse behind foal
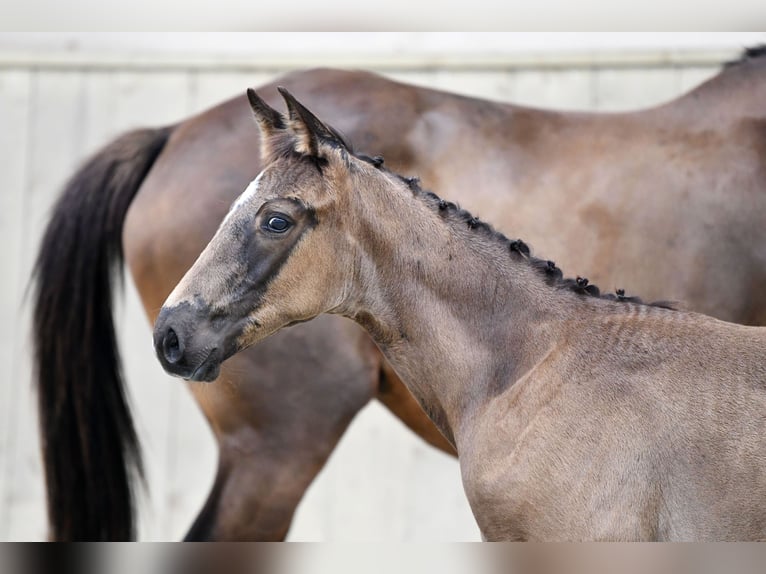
575	416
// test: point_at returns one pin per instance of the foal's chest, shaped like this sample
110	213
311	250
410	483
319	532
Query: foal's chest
546	474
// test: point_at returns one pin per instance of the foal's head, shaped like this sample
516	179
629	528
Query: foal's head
282	255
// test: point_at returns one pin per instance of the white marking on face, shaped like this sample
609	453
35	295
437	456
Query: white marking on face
249	192
177	295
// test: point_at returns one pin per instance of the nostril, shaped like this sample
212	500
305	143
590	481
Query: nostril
171	348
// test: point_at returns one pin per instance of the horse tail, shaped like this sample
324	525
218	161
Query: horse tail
90	448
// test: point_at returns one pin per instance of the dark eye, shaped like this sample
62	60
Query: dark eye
277	224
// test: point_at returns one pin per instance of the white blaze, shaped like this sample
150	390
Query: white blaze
177	295
249	192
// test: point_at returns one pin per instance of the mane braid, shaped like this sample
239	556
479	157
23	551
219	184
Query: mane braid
516	247
747	55
553	275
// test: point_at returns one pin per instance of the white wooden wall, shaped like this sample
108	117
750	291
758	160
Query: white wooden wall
382	483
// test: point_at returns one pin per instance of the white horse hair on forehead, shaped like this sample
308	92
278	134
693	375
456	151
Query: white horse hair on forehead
243	198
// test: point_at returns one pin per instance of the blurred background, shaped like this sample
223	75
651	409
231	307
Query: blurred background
64	95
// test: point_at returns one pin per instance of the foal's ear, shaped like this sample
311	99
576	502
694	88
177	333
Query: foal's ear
308	129
269	120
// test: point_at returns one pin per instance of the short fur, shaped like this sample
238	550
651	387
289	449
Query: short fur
553	274
574	417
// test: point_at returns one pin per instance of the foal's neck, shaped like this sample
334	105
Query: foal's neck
460	315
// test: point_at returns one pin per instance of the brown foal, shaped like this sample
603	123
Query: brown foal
575	416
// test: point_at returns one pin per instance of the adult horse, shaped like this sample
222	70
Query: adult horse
668	202
575	416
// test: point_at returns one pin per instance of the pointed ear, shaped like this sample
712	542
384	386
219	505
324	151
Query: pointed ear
270	122
268	118
308	129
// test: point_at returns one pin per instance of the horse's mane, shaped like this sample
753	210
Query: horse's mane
747	55
516	247
552	274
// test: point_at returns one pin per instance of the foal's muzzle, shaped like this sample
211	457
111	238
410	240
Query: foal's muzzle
187	345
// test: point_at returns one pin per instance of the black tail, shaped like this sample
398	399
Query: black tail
90	448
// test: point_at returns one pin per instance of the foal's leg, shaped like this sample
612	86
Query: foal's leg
278	411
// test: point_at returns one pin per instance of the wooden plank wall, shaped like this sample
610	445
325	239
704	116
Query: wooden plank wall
382	483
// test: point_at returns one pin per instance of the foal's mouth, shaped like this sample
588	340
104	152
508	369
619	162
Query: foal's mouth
208	370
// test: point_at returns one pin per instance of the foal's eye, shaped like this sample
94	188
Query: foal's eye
277	224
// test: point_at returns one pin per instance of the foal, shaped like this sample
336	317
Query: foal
575	416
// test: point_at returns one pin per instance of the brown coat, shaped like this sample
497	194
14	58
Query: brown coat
575	416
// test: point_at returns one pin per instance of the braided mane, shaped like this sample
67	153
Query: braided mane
516	247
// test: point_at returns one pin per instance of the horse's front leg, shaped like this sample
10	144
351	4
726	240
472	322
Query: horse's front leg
258	486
